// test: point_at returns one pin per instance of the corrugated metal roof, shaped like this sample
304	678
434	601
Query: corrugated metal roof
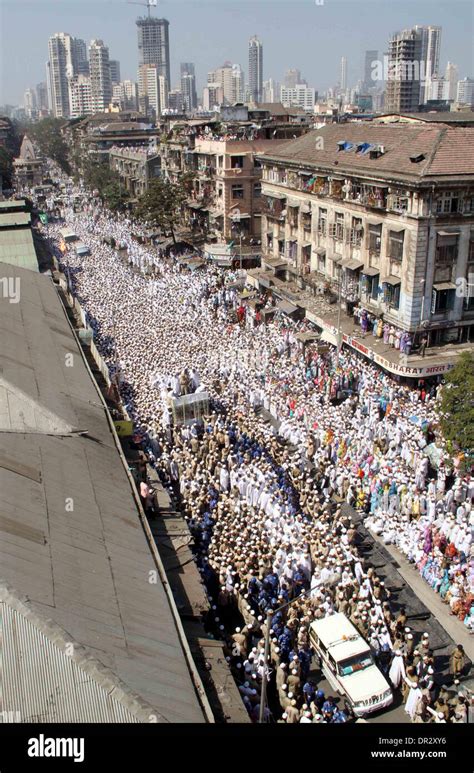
17	248
12	204
78	551
43	682
7	219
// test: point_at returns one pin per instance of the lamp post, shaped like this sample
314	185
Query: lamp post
339	299
270	615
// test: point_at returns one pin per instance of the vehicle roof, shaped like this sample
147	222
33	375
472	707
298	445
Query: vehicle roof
334	632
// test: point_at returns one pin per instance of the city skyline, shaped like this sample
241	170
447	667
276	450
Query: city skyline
320	65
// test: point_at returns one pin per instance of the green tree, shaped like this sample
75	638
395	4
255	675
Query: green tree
456	407
6	168
161	205
47	135
115	197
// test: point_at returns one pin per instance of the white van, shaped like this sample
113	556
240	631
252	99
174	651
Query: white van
348	665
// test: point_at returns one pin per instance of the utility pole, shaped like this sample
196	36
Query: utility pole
339	299
270	615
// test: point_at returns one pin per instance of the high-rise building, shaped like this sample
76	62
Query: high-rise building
81	100
60	68
429	57
465	92
293	77
231	78
101	84
404	72
255	69
343	75
188	86
30	103
175	100
212	96
67	58
153	44
271	91
114	65
125	95
299	96
42	97
370	63
79	57
153	90
451	77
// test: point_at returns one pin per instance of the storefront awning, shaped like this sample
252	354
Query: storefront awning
306	244
391	280
352	264
305	209
293	202
371	271
396	228
335	258
320	250
444	286
328	338
448	233
275	195
287	308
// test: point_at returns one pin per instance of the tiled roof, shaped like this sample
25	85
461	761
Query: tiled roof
447	151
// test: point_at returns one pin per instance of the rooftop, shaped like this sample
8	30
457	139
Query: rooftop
447	152
17	248
92	629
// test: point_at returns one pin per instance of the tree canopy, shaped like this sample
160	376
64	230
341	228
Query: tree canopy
456	407
161	204
47	134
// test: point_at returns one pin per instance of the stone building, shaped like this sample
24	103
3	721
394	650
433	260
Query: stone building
383	214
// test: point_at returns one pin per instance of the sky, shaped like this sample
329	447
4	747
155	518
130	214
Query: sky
311	35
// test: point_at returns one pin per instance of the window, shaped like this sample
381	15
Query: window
356	232
322	264
339	229
448	202
375	239
281	247
392	295
236	162
269	241
442	301
469	205
293	216
257	164
469	286
257	190
395	244
322	220
471	250
237	191
446	249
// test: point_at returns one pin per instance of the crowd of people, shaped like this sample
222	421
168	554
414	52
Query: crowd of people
264	481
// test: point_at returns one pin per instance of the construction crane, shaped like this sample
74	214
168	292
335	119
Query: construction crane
149	4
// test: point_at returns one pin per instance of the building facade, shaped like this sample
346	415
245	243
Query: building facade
299	96
255	69
188	86
135	168
101	83
153	44
382	214
404	72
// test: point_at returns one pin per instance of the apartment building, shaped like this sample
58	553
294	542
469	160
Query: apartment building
384	214
135	167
